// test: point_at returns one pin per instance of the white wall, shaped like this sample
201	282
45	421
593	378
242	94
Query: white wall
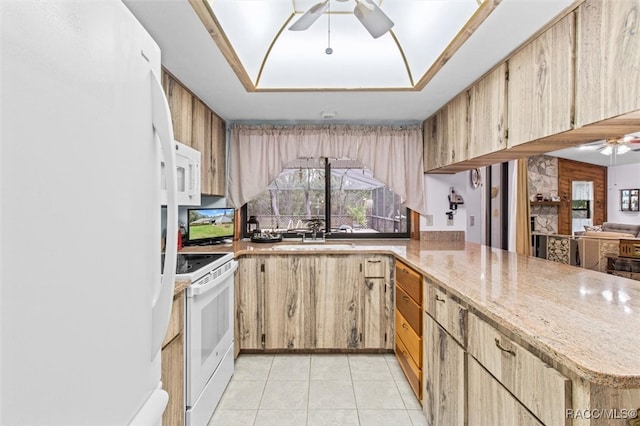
437	189
618	178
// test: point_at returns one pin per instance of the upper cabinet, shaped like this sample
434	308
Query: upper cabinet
217	164
540	95
575	82
607	60
488	113
181	106
196	125
446	134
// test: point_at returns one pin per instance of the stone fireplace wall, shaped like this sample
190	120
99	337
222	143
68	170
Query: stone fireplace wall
543	179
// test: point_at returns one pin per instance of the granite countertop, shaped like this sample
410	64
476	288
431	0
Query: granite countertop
587	321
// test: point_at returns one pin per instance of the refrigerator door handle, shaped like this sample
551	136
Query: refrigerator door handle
163	134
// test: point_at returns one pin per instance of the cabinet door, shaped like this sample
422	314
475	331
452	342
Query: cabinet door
173	380
336	286
217	171
250	279
488	113
377	303
446	134
607	60
201	140
181	106
541	85
288	319
433	141
443	372
457	128
490	403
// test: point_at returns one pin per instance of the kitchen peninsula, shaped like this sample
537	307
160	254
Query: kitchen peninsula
560	342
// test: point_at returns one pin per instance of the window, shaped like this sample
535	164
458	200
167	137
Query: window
342	193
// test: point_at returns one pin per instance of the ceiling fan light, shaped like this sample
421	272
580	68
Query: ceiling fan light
608	150
622	149
309	17
373	19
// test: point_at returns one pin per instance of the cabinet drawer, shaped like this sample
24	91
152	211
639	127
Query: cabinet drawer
447	312
410	338
410	281
490	403
176	321
375	267
411	370
542	389
409	310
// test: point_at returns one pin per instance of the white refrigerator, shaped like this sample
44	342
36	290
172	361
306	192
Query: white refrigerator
83	303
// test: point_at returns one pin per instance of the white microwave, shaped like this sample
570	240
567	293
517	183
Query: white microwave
188	171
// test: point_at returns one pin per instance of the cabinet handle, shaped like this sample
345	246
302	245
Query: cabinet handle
439	299
405	270
503	349
405	326
405	298
373	261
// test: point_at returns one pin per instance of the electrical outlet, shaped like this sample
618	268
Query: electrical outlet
429	218
472	220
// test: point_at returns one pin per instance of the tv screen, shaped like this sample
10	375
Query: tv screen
210	225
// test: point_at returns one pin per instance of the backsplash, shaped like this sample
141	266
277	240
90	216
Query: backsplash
543	179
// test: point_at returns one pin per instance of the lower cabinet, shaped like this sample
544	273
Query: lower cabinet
173	364
249	303
324	301
492	404
288	319
444	376
543	390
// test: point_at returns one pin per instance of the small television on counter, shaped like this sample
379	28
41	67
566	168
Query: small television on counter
210	225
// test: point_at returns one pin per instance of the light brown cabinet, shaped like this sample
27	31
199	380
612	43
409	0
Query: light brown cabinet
607	60
288	302
540	87
181	107
408	324
445	325
313	302
377	303
446	134
444	376
249	303
195	125
490	403
541	389
216	164
488	113
173	364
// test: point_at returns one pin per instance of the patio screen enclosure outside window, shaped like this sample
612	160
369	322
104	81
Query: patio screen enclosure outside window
342	193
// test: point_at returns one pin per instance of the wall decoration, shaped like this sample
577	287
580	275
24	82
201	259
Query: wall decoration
629	200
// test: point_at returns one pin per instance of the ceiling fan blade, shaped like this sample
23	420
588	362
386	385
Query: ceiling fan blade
309	17
592	146
372	18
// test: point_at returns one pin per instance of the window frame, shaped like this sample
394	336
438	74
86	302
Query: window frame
327	212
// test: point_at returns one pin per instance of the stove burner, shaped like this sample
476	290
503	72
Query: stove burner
189	262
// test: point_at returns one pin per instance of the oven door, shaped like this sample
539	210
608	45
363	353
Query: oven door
209	329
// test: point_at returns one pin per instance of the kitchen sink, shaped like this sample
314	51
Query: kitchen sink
308	246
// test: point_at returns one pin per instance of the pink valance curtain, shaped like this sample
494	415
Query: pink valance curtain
259	153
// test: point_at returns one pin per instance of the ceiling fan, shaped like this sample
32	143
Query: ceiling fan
617	146
372	18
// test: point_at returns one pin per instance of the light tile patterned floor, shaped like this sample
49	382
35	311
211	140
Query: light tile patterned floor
318	389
